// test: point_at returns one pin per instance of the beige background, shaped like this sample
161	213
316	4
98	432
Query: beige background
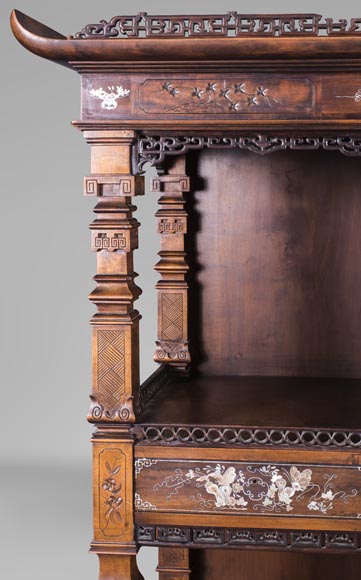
46	271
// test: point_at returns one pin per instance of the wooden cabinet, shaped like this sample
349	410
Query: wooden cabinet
241	454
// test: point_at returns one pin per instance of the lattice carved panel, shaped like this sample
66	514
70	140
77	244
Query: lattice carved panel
172	316
111	366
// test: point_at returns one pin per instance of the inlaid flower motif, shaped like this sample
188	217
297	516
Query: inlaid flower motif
356	97
197	93
211	88
109	98
262	91
217	96
171	89
224	93
240	88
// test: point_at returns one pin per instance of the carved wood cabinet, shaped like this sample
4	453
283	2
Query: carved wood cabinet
240	456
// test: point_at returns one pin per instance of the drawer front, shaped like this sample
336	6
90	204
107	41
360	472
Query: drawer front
248	488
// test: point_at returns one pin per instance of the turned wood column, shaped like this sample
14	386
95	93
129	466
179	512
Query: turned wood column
115	349
115	341
172	343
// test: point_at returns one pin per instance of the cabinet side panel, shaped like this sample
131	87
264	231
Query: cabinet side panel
278	275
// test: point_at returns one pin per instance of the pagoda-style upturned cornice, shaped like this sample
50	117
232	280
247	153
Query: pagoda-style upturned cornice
203	39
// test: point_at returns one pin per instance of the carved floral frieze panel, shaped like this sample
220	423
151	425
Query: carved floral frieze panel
232	95
253	489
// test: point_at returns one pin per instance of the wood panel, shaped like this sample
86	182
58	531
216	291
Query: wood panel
248	489
277	269
219	564
233	97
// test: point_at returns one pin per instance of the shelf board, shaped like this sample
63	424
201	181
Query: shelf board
279	402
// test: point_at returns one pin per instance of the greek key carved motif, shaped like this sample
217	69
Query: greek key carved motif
110	241
113	185
172	226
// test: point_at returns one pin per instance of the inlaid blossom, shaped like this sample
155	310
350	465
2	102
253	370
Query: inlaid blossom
197	93
262	91
211	88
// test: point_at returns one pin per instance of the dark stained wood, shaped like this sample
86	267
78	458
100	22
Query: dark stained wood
259	287
261	401
38	39
173	563
297	490
279	276
217	565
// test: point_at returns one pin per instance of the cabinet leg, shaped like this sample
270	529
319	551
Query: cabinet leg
118	567
173	564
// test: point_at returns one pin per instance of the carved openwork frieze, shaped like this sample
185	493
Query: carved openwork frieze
307	490
289	540
244	436
154	150
219	25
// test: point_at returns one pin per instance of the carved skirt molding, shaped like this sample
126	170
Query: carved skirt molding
267	539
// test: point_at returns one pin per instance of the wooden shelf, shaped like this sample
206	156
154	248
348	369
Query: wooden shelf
258	401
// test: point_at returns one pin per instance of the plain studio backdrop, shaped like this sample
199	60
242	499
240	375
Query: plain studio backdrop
46	271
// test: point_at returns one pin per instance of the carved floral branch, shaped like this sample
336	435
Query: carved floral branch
227	97
112	489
